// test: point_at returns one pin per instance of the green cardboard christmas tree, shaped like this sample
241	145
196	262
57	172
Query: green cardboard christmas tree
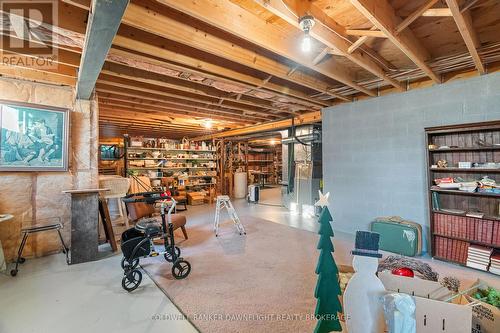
327	291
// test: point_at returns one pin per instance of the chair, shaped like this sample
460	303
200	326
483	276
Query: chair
139	210
118	188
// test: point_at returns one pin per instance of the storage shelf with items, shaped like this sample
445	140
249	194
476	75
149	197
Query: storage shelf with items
463	163
264	164
172	164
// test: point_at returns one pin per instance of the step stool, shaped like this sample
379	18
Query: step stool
223	201
32	230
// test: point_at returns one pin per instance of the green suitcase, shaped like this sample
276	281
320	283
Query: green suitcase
399	236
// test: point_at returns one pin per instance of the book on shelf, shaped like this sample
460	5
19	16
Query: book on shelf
477	266
478	215
478	257
480	250
453	211
494	270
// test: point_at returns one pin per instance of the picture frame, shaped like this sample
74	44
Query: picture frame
33	137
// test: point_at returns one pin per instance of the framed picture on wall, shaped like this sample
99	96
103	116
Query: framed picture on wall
33	137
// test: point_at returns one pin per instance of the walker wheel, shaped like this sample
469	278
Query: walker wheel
168	255
125	265
13	272
21	260
181	269
132	280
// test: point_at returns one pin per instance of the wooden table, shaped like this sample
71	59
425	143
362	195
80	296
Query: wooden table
3	265
84	224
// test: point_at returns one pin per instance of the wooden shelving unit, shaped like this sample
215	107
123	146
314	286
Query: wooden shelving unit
452	233
264	164
193	168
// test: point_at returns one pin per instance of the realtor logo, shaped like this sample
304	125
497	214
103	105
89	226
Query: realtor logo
26	33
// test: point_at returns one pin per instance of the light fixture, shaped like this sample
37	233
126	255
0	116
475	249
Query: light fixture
273	142
208	123
306	23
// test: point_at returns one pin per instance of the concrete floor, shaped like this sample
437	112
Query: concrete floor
49	296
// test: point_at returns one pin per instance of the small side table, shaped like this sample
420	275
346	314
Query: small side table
3	265
84	224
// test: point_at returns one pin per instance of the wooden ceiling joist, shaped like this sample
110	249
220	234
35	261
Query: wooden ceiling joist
103	22
360	41
33	74
186	63
177	113
415	15
189	86
227	115
367	33
187	110
330	33
464	24
156	23
158	87
382	15
308	118
437	12
203	110
203	107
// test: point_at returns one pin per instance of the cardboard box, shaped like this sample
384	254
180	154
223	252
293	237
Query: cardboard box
196	198
432	314
485	317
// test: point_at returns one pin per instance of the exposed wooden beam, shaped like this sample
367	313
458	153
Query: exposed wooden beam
467	5
141	106
176	101
415	15
321	55
132	74
206	69
200	109
328	32
360	41
185	34
307	118
104	20
383	16
437	12
464	24
367	33
182	79
35	75
221	14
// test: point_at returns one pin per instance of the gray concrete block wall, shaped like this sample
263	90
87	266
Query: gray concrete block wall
374	150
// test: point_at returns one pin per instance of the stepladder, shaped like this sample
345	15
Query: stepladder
223	201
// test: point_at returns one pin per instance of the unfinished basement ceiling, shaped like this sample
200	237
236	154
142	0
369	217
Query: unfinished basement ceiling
174	65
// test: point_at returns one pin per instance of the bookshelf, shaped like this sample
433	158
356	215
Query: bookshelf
467	217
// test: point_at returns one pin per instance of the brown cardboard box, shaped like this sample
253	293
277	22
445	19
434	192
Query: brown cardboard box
196	198
485	317
432	314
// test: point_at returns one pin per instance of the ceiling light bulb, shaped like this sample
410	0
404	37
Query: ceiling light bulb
306	23
306	43
273	142
208	124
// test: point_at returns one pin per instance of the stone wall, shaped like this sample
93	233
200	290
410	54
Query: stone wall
374	150
36	198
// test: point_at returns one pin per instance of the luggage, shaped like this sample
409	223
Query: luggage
398	236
